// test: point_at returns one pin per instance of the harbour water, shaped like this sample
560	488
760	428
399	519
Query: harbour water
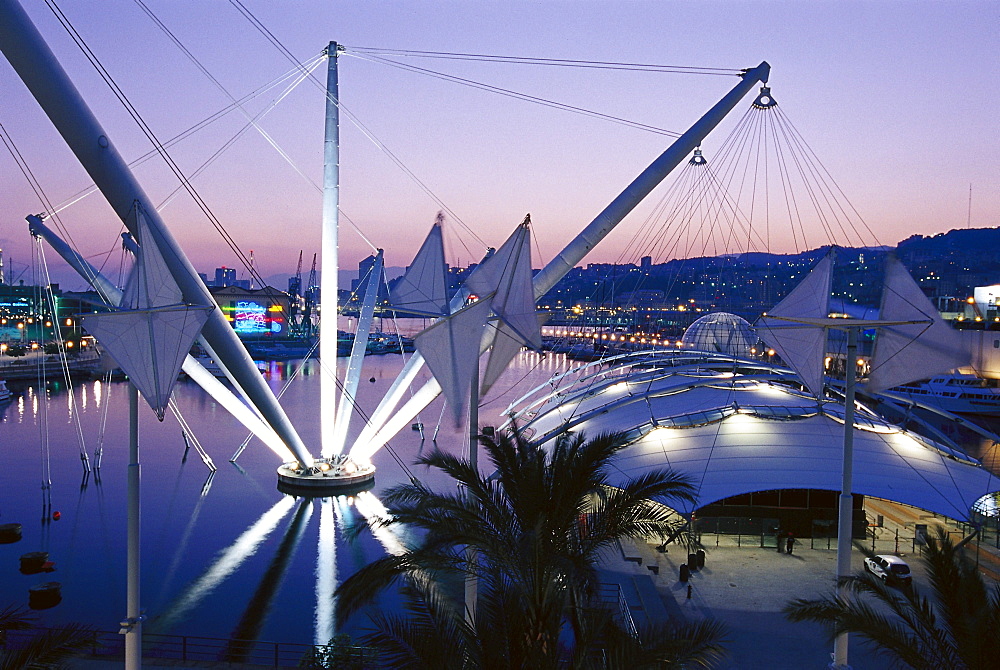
226	556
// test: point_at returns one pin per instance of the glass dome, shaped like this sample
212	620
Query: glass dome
722	333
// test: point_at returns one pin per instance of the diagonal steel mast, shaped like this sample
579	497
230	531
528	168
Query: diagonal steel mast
38	68
379	433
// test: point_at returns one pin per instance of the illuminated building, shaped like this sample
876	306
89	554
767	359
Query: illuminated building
255	313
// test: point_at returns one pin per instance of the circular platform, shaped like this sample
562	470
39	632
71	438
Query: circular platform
339	475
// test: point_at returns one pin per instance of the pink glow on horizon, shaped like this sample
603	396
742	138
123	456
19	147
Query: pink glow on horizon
895	99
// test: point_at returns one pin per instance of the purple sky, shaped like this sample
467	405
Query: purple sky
897	99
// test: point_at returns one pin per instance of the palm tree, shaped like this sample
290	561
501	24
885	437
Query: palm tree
46	650
532	535
954	628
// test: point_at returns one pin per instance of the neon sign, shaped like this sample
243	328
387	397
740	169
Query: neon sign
250	318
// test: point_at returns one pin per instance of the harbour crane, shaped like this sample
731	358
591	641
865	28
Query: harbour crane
295	295
310	299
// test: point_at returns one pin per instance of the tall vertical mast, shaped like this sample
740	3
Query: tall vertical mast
328	283
132	625
845	514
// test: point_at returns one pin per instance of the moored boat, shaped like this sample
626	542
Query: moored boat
955	393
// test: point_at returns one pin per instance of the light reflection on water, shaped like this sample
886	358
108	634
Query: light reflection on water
222	557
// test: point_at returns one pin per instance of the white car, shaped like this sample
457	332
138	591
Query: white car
890	569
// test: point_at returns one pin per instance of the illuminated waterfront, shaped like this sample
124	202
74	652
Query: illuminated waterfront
229	557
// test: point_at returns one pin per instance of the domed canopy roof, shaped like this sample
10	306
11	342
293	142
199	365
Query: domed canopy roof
737	427
720	333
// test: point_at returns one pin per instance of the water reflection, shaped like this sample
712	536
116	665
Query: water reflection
372	509
182	546
205	555
225	565
257	610
326	574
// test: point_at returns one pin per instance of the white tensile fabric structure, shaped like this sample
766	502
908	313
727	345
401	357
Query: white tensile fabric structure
423	289
720	333
451	346
149	345
912	341
152	331
506	278
739	427
929	348
802	346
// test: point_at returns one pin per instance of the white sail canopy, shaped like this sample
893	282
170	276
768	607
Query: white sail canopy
149	283
451	349
423	290
802	346
910	351
152	332
149	345
506	277
506	344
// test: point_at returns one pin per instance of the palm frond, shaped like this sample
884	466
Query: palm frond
50	649
13	617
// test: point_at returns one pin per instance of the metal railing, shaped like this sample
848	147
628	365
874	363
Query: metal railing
260	653
892	539
612	596
728	531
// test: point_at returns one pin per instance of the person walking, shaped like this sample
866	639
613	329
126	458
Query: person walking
789	543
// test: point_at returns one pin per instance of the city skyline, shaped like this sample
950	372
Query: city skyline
888	97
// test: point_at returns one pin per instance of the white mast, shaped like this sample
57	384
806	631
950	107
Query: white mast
328	282
345	408
132	625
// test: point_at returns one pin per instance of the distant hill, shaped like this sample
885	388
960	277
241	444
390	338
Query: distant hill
974	241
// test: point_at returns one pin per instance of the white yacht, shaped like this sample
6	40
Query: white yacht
956	393
4	392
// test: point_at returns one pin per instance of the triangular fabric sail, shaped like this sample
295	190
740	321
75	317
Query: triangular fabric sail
149	345
485	279
506	344
802	347
908	352
149	283
507	275
514	301
450	347
423	289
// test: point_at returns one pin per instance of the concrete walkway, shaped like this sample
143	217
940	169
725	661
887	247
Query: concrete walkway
747	588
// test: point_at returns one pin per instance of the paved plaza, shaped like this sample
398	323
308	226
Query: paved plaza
747	586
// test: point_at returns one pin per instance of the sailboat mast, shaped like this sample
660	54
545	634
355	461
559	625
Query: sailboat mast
329	244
